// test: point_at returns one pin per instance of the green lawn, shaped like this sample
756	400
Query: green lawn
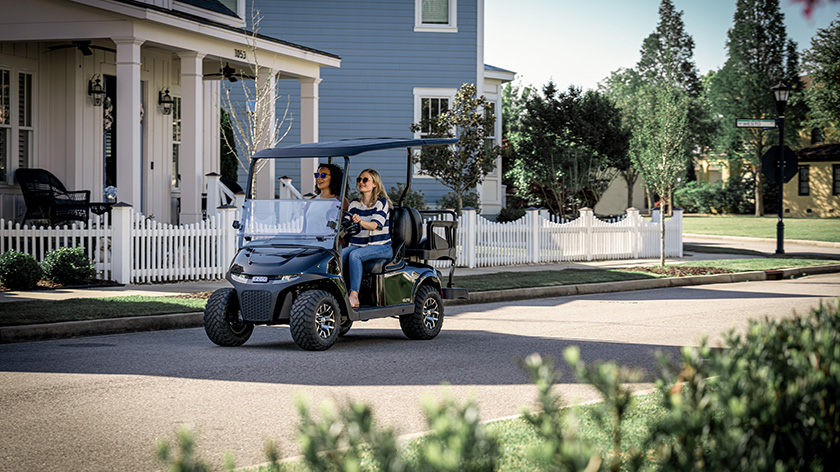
813	229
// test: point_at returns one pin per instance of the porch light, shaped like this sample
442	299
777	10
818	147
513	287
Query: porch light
166	102
781	92
96	90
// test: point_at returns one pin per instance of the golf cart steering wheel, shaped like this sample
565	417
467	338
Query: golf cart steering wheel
347	225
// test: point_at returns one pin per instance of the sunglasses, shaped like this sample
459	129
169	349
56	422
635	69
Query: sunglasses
321	175
362	180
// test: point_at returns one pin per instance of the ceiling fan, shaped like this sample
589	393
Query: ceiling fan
229	73
84	46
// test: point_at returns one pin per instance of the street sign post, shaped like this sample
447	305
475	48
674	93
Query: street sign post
770	162
750	123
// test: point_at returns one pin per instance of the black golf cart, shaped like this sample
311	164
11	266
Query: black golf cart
288	267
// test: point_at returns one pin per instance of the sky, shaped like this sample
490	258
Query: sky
579	42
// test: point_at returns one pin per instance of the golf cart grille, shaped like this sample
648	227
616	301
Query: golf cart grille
256	306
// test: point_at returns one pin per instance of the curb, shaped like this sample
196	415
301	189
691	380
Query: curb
43	332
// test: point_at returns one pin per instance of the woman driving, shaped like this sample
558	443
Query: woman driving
372	212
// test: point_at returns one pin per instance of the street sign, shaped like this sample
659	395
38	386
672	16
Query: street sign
769	162
749	123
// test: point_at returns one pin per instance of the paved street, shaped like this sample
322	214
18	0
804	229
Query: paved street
101	403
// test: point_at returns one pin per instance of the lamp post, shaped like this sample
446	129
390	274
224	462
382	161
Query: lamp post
781	92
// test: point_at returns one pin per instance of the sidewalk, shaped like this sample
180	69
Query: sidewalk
148	323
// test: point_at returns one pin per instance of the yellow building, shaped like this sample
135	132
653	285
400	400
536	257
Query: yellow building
815	190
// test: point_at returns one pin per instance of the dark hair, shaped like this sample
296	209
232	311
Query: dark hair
336	178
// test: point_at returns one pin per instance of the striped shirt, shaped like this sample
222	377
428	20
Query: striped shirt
379	214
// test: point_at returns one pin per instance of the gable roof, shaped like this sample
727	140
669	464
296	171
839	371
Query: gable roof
823	152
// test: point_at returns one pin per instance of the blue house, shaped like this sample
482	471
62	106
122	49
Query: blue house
400	60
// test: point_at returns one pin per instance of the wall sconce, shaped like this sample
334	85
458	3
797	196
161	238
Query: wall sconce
166	102
96	90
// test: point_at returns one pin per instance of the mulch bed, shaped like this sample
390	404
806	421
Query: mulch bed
204	295
679	271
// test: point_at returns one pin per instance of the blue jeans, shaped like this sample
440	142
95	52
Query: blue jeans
354	256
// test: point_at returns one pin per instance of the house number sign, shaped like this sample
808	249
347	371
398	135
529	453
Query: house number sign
240	54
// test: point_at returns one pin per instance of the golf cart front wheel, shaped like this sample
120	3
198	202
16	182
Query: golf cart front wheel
223	320
315	320
427	319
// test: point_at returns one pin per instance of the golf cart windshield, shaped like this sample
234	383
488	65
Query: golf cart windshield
303	222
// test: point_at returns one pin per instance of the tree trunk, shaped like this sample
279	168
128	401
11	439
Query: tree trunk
630	179
661	237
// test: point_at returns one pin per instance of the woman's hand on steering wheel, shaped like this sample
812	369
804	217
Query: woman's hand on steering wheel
347	225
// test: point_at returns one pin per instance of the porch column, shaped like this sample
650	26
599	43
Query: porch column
128	110
266	131
192	138
308	130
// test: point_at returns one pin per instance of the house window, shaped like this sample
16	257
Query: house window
428	105
835	179
176	143
804	184
436	16
16	122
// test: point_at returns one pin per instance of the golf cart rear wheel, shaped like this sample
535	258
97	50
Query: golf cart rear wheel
427	319
315	320
223	320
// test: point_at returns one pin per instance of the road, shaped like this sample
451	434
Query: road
102	403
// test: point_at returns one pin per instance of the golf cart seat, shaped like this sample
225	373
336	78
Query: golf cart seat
408	241
404	232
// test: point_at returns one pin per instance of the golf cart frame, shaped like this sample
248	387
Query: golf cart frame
296	277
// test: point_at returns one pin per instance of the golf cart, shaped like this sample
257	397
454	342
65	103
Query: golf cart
288	267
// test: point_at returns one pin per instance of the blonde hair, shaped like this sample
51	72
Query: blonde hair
378	192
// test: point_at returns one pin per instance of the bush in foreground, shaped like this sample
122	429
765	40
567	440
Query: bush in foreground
68	266
769	402
19	271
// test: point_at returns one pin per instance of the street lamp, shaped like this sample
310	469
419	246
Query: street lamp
781	93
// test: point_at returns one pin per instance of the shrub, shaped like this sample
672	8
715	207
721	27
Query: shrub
510	214
735	196
68	266
769	402
471	199
19	271
413	199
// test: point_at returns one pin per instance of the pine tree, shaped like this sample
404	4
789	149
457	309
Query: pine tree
759	56
667	54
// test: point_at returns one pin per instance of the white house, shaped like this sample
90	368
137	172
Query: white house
55	55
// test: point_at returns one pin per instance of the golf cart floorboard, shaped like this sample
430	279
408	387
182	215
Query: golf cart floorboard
365	313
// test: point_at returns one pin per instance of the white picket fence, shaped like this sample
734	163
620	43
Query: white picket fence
135	249
539	238
94	237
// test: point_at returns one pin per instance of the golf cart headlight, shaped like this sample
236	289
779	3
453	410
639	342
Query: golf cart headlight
239	278
286	278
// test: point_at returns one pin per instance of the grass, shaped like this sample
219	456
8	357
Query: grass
812	229
759	263
78	309
516	437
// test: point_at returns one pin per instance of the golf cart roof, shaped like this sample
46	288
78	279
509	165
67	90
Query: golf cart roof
348	147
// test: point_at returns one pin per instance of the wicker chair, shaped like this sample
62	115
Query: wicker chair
47	199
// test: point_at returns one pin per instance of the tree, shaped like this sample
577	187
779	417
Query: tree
658	145
667	54
464	166
251	104
567	144
758	57
822	64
